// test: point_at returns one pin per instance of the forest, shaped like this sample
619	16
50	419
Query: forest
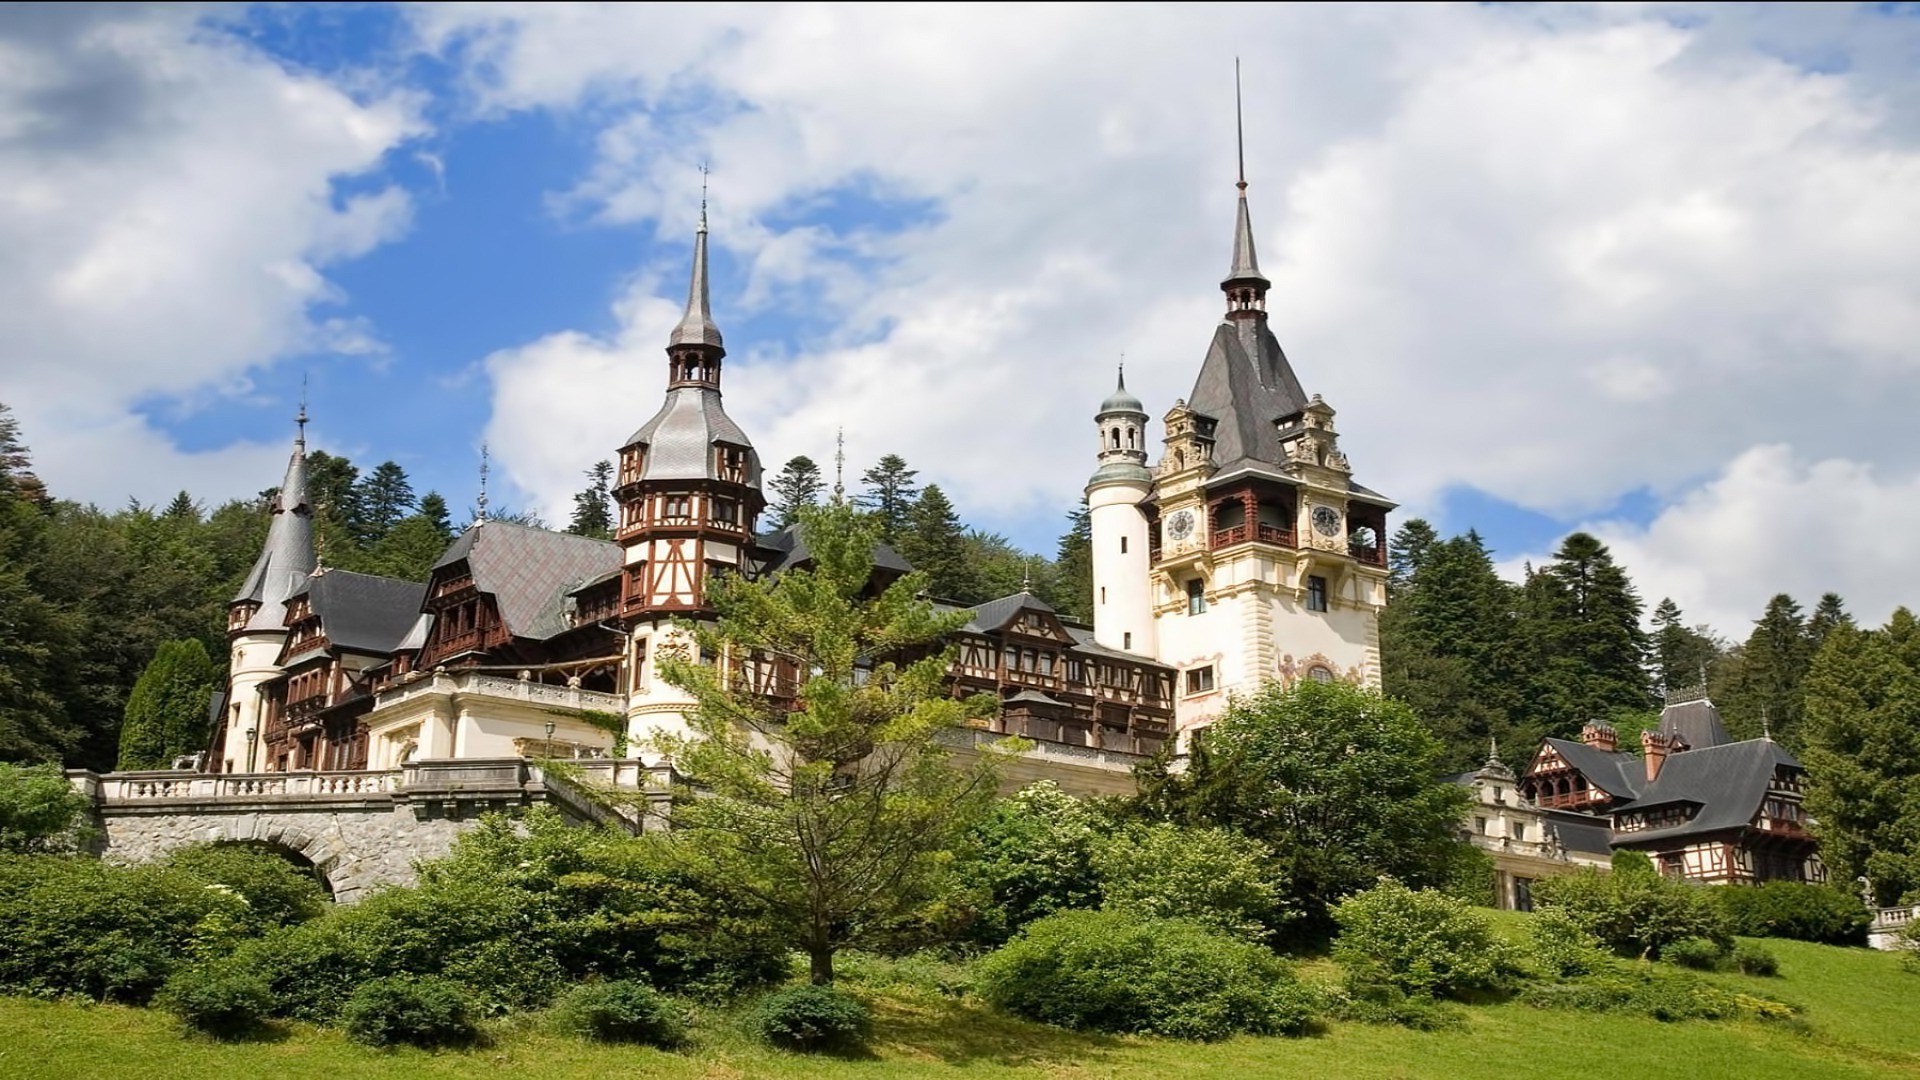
89	596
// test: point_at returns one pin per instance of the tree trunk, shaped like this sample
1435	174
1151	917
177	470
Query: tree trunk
822	957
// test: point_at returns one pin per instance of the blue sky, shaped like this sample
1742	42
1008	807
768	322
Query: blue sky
1646	271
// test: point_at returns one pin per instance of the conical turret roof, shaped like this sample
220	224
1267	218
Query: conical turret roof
287	558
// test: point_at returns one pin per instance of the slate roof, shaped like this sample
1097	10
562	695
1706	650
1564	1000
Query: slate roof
1581	832
785	548
1698	722
1246	386
994	614
1615	772
681	436
363	612
1034	697
288	556
530	572
1727	782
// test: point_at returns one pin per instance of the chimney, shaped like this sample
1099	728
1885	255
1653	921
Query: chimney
1655	746
1600	735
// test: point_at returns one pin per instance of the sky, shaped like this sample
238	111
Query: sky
1647	270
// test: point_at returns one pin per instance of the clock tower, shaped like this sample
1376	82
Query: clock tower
1266	560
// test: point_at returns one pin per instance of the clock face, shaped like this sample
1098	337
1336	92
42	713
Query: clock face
1180	525
1326	520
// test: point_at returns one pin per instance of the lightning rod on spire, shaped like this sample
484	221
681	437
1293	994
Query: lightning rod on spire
703	196
480	513
300	418
1239	126
839	464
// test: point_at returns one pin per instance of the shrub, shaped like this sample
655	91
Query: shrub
812	1018
1752	959
412	1010
223	1004
76	925
1793	909
1167	871
1696	953
39	810
1033	855
1381	1003
277	892
1632	913
1559	948
622	1011
1420	942
1629	861
1109	971
1653	990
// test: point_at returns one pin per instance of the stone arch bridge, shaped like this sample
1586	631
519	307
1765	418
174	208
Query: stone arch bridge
360	830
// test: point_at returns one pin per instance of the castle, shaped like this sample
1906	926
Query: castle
1247	554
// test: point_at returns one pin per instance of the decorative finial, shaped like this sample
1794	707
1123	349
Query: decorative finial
1766	724
1026	581
703	196
300	418
839	465
1493	750
1239	128
480	513
1123	371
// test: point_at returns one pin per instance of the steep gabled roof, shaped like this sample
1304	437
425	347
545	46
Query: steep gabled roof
363	612
1727	782
785	548
1615	772
996	614
529	572
1246	386
1698	722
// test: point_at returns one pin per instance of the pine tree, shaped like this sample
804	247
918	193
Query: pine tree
1681	654
890	493
593	507
796	487
1407	553
934	541
1829	613
1862	752
1073	564
409	549
1774	662
182	508
433	507
16	463
1583	615
998	569
166	715
384	498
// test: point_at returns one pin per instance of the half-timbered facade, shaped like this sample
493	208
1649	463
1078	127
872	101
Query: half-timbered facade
1704	807
342	628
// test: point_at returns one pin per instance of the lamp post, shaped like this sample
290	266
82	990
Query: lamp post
250	737
549	738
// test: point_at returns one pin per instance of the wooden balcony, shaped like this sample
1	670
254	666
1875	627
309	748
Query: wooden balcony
1265	534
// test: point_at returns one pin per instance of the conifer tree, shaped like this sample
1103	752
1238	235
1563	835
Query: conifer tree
1408	552
37	637
834	816
1862	752
166	714
1073	565
1774	661
593	506
796	487
384	498
1583	615
890	493
935	543
433	507
409	549
1829	613
182	508
1681	654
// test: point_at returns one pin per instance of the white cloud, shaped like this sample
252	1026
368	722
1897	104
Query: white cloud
1773	521
1554	253
166	215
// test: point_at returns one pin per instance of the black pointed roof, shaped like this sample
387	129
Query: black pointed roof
1246	386
288	555
363	612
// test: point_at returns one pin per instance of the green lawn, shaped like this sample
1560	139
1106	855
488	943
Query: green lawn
1862	1019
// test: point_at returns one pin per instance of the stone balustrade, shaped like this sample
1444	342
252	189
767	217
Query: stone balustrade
536	693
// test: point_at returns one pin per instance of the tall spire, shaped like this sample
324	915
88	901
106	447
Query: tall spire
697	326
480	505
288	555
1245	286
839	465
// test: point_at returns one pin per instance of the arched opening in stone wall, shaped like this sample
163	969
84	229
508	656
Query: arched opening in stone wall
294	856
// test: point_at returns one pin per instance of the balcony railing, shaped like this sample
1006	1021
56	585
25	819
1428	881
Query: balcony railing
1240	534
571	697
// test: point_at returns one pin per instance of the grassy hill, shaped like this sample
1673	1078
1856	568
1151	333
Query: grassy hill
1860	1019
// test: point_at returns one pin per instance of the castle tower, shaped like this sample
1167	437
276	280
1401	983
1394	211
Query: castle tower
1122	599
689	495
1270	561
256	616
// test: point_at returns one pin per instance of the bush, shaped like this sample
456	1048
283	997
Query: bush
812	1018
1380	1003
1696	953
622	1011
1559	948
39	810
1796	910
276	891
223	1004
1109	971
415	1011
1632	913
1753	959
1033	855
76	925
1629	861
1167	871
1652	990
1421	942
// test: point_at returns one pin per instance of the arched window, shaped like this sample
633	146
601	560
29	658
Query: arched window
1116	438
1320	673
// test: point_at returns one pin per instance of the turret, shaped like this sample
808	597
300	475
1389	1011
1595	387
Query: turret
1122	600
